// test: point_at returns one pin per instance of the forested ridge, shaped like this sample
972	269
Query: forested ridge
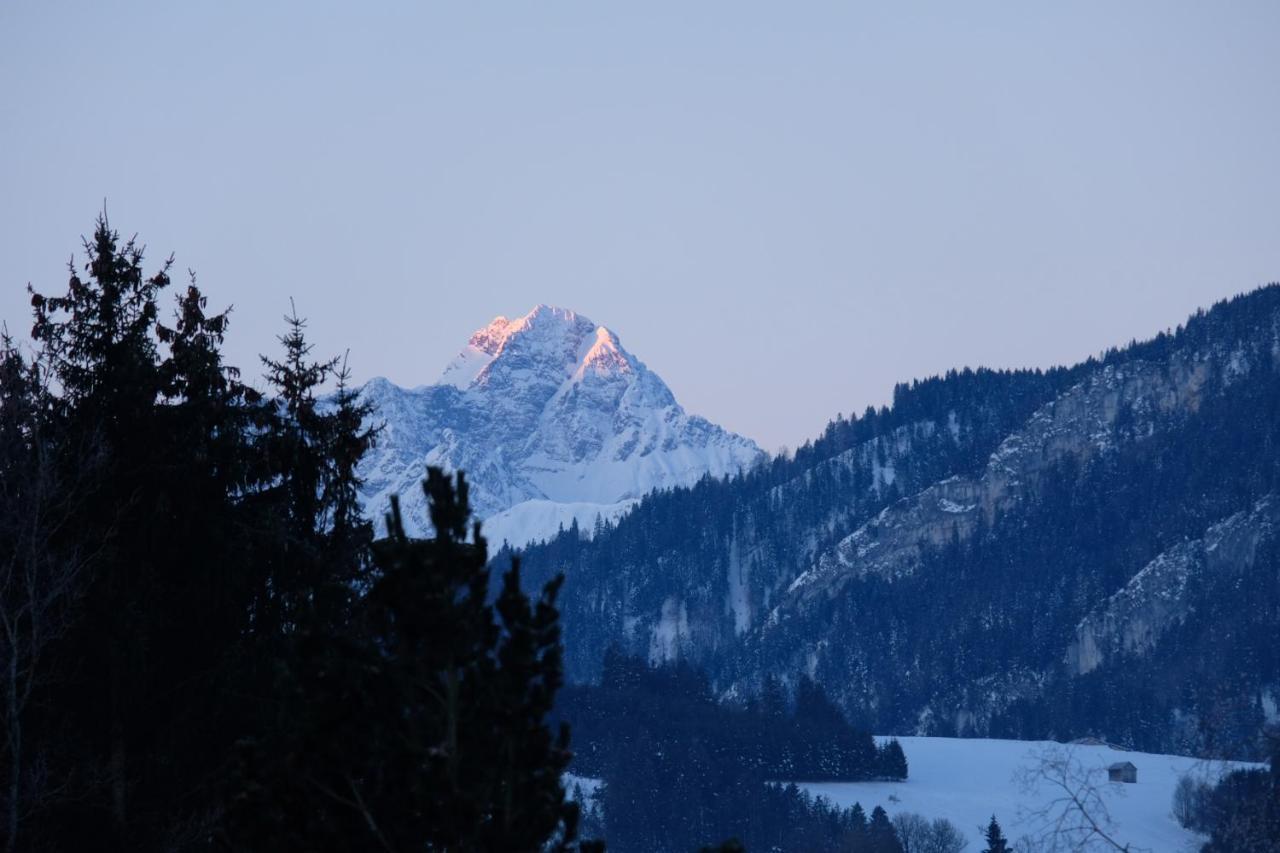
681	541
1171	438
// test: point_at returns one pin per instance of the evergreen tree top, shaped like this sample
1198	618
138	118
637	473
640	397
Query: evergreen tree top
996	842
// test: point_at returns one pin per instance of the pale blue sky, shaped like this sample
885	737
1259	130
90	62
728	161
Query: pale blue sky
783	208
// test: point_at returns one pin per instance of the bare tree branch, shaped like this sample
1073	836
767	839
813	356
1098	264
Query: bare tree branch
1075	818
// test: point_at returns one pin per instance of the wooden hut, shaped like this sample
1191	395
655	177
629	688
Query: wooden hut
1122	771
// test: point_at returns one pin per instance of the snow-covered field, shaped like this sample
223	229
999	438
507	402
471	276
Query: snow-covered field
967	780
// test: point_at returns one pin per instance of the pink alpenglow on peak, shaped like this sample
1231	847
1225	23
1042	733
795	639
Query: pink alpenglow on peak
552	420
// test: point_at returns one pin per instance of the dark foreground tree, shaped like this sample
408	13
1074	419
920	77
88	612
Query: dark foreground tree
39	581
881	836
996	842
1242	812
140	709
892	760
201	645
425	728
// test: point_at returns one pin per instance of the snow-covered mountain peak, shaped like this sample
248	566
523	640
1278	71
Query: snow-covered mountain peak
548	341
490	339
552	419
605	356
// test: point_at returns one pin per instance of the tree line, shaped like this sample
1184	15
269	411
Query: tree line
679	766
1241	811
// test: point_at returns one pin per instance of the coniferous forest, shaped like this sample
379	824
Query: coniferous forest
677	765
204	645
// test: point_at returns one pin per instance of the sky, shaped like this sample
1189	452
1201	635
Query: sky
782	208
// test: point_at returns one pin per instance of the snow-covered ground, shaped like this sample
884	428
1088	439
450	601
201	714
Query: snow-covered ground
966	780
573	782
582	790
533	520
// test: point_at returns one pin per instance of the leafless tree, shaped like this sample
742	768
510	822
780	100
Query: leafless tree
39	581
1075	818
1190	799
945	837
912	829
918	834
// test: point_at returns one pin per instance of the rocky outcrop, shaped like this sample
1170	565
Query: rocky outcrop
1132	621
1077	425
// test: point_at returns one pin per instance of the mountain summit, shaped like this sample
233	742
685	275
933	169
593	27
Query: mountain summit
552	421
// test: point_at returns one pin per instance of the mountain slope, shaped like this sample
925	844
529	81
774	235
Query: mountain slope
1075	427
552	420
983	557
723	553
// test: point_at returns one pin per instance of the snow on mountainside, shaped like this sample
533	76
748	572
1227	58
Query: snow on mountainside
552	421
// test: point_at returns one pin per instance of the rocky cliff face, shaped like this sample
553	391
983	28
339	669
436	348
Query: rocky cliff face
552	421
694	574
1163	594
1077	425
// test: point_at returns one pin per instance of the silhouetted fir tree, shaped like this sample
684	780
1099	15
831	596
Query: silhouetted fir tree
858	818
145	713
881	837
531	756
240	663
995	839
24	405
892	760
348	439
426	729
296	445
1242	812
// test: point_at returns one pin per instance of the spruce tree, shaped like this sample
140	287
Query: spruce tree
892	760
145	713
996	842
97	342
349	437
881	836
295	445
423	728
858	818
